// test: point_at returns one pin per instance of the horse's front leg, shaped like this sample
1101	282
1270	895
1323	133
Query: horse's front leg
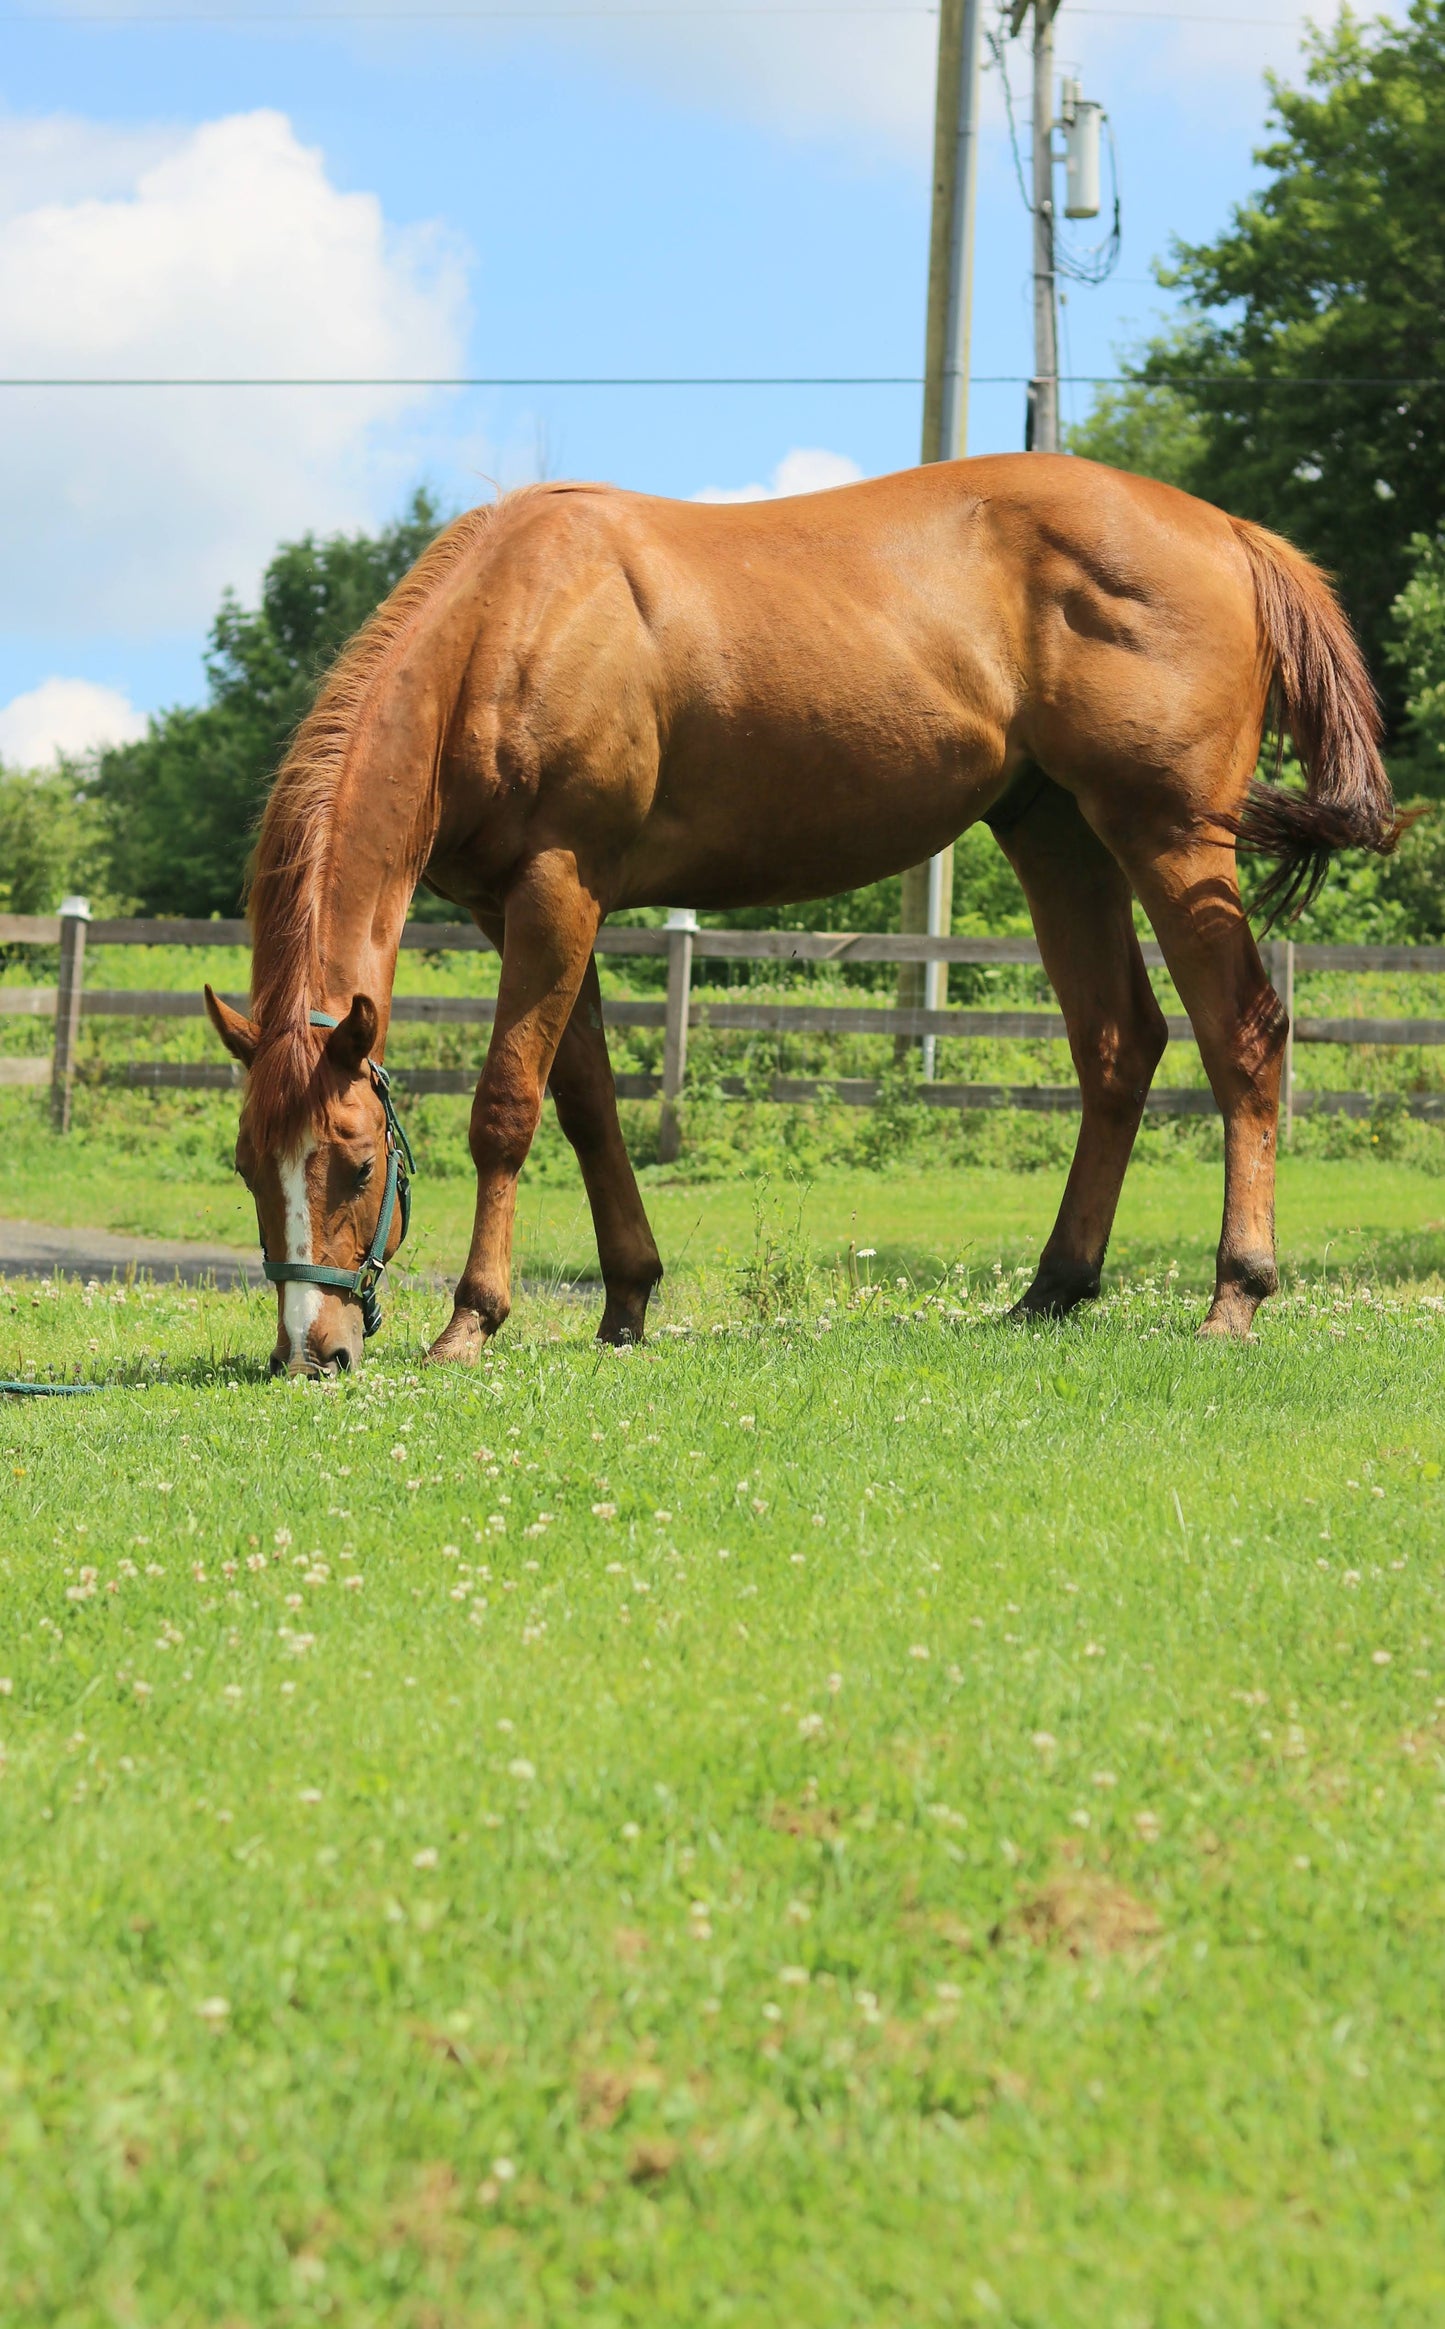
586	1097
551	922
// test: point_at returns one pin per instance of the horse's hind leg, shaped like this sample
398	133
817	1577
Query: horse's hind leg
1082	913
551	922
586	1098
1188	887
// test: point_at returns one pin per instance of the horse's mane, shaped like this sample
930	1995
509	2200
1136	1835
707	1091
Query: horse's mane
293	847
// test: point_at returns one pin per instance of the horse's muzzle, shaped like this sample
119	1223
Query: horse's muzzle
315	1366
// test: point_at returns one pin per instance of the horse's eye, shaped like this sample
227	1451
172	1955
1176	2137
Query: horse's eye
363	1175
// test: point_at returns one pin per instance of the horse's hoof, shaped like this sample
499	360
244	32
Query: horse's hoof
1227	1328
624	1313
460	1342
1054	1297
1228	1322
620	1333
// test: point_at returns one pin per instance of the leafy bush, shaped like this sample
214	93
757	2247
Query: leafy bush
51	842
1417	649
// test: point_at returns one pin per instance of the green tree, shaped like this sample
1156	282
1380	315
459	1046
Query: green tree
51	841
1416	648
1148	427
182	803
1318	322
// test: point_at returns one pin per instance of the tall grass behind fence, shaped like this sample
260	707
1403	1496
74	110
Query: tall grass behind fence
1350	991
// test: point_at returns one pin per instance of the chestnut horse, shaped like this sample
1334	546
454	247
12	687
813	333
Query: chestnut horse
582	699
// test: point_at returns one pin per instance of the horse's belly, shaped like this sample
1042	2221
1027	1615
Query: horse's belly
746	817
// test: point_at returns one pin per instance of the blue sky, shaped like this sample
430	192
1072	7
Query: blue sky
695	190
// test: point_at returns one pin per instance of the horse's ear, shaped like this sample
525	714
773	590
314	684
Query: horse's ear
238	1034
354	1038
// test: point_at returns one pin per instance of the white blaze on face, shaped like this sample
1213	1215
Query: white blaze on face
300	1305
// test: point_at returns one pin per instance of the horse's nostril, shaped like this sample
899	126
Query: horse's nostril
277	1365
343	1361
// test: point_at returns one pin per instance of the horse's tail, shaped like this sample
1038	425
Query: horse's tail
1321	694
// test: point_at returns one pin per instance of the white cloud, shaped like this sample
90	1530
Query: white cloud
67	716
806	469
1170	46
220	250
866	69
60	158
869	75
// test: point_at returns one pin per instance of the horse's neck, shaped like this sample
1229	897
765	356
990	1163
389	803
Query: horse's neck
363	907
385	811
357	949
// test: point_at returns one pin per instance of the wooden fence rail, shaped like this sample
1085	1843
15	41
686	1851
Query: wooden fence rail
682	944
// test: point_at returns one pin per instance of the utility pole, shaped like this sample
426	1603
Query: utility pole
927	903
1043	422
950	255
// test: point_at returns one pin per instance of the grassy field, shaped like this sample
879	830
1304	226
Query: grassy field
888	1819
880	1819
161	1166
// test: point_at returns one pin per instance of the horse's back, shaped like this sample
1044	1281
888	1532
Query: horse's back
872	662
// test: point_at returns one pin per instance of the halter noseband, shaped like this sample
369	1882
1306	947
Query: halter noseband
400	1165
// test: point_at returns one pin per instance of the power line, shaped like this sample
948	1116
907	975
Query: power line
478	380
717	9
447	15
1230	380
1191	16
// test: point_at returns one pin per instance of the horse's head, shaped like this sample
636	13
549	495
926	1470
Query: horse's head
321	1153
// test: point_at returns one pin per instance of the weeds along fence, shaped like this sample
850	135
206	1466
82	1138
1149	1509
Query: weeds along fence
686	1009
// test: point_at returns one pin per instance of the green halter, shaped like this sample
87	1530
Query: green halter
400	1165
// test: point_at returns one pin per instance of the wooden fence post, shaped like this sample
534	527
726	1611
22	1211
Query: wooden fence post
926	910
681	926
74	914
1280	966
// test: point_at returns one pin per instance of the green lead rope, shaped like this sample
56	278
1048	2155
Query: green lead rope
400	1166
46	1390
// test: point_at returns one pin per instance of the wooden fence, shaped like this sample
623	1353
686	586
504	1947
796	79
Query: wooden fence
683	945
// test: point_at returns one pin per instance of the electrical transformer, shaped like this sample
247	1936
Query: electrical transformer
1080	118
